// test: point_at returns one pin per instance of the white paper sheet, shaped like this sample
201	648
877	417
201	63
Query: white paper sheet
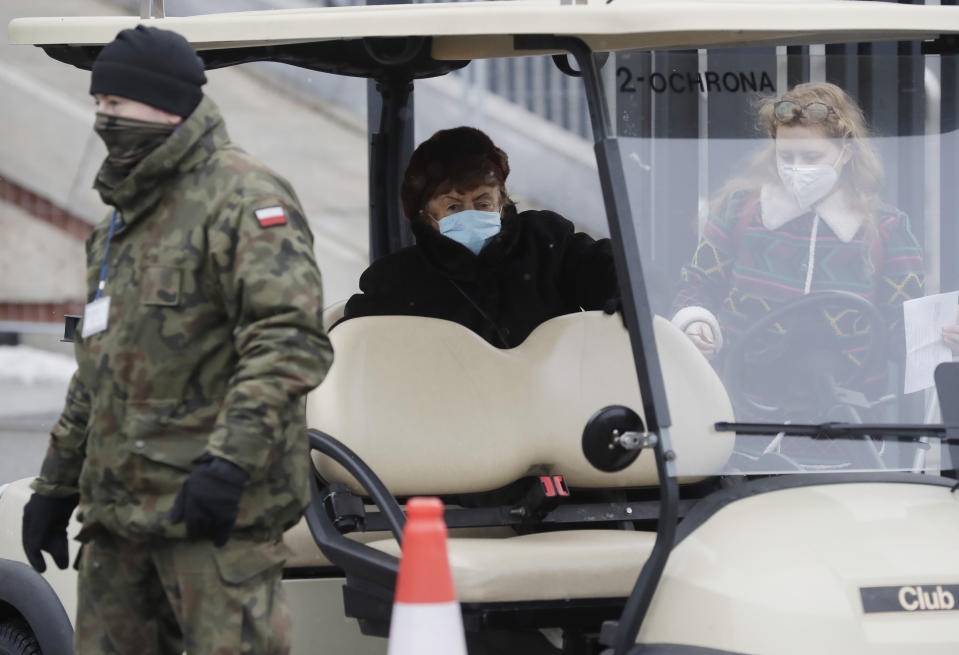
925	349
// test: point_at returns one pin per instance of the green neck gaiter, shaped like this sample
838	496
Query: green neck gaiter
128	142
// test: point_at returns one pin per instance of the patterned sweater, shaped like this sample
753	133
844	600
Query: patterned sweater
756	255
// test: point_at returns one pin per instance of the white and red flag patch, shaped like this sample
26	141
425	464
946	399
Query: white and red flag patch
271	216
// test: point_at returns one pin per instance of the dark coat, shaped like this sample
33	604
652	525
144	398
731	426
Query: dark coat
536	268
215	335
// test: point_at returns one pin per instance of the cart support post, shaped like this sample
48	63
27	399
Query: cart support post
639	321
390	110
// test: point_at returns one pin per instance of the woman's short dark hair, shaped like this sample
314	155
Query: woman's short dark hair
462	157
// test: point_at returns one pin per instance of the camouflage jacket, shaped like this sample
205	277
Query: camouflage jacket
214	336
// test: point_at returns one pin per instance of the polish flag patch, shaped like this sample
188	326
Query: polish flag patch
271	216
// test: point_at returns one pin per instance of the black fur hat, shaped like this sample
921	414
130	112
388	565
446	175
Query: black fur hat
462	156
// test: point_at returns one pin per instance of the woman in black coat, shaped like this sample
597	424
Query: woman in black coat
477	261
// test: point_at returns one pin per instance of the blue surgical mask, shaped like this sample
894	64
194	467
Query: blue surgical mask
472	228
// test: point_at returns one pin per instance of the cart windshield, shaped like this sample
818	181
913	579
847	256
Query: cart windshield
795	212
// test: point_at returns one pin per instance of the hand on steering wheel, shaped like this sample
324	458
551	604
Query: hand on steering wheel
701	334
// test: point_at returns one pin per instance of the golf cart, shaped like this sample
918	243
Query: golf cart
603	483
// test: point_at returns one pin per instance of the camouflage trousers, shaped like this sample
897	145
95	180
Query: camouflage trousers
171	597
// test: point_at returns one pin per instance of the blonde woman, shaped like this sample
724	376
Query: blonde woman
804	217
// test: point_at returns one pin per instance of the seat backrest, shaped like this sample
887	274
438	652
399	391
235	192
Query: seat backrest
435	409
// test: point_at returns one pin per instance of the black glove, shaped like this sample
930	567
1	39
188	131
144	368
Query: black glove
45	520
210	498
615	306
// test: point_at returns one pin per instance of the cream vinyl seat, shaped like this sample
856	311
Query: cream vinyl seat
305	553
544	565
332	313
433	409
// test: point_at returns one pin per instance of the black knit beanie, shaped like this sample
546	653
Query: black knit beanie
156	67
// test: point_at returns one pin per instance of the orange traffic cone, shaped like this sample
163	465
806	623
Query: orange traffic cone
426	616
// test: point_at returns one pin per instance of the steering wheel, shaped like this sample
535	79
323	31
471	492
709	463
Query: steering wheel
800	358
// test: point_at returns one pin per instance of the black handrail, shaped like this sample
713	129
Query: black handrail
351	556
382	498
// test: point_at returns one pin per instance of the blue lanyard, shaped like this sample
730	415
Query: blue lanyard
106	255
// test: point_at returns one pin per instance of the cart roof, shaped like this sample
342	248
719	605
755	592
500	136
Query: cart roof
473	30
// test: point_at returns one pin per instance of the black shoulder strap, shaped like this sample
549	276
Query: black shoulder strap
486	317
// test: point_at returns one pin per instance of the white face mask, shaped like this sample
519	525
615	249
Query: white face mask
811	183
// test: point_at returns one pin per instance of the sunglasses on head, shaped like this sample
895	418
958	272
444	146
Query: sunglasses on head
787	110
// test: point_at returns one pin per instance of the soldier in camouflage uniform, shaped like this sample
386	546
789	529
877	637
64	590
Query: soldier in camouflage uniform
183	436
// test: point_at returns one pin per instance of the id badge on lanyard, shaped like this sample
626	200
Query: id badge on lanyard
96	315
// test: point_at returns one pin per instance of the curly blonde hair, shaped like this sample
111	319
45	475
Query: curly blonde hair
862	175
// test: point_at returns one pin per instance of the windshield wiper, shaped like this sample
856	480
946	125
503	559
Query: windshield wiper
838	430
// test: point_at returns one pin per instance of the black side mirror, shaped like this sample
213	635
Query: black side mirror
613	438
